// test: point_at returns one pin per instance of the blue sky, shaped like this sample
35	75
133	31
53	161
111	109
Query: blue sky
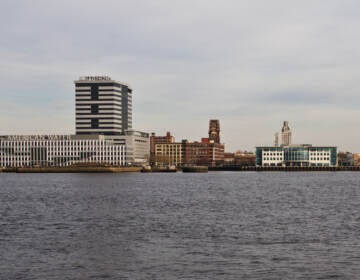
251	64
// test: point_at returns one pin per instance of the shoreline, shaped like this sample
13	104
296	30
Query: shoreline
108	169
286	168
73	169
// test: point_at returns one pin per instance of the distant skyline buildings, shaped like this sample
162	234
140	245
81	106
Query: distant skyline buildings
214	131
286	134
276	139
209	151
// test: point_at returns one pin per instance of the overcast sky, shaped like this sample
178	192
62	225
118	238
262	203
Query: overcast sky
251	64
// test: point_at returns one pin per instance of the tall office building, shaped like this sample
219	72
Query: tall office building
286	134
103	106
214	131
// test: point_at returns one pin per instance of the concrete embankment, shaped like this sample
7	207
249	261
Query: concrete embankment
286	168
69	169
158	169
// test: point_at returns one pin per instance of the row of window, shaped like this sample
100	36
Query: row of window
274	158
272	154
92	143
312	158
55	154
24	163
320	154
321	158
311	153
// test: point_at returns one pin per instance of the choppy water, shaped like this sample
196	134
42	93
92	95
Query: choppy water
219	225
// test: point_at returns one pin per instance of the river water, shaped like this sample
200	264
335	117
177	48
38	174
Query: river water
218	225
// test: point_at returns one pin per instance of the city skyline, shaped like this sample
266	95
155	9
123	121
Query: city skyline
251	66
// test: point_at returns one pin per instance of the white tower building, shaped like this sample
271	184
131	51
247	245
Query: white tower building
286	134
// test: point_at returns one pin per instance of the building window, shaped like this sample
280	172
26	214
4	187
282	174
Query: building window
94	123
94	109
94	92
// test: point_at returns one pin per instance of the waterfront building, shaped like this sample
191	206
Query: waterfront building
195	153
357	159
103	106
203	153
159	139
240	158
345	159
215	154
229	158
136	146
245	158
286	134
209	151
296	155
168	154
104	132
182	153
59	150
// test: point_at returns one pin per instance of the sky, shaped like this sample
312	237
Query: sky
250	64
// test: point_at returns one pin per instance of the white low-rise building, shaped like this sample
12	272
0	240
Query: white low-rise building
273	157
59	150
297	155
137	146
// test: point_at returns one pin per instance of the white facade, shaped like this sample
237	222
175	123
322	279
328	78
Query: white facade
297	155
137	145
59	150
272	158
320	158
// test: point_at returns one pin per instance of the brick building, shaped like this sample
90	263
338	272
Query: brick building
210	152
155	139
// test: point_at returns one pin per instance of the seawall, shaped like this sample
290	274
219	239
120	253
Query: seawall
73	169
286	168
